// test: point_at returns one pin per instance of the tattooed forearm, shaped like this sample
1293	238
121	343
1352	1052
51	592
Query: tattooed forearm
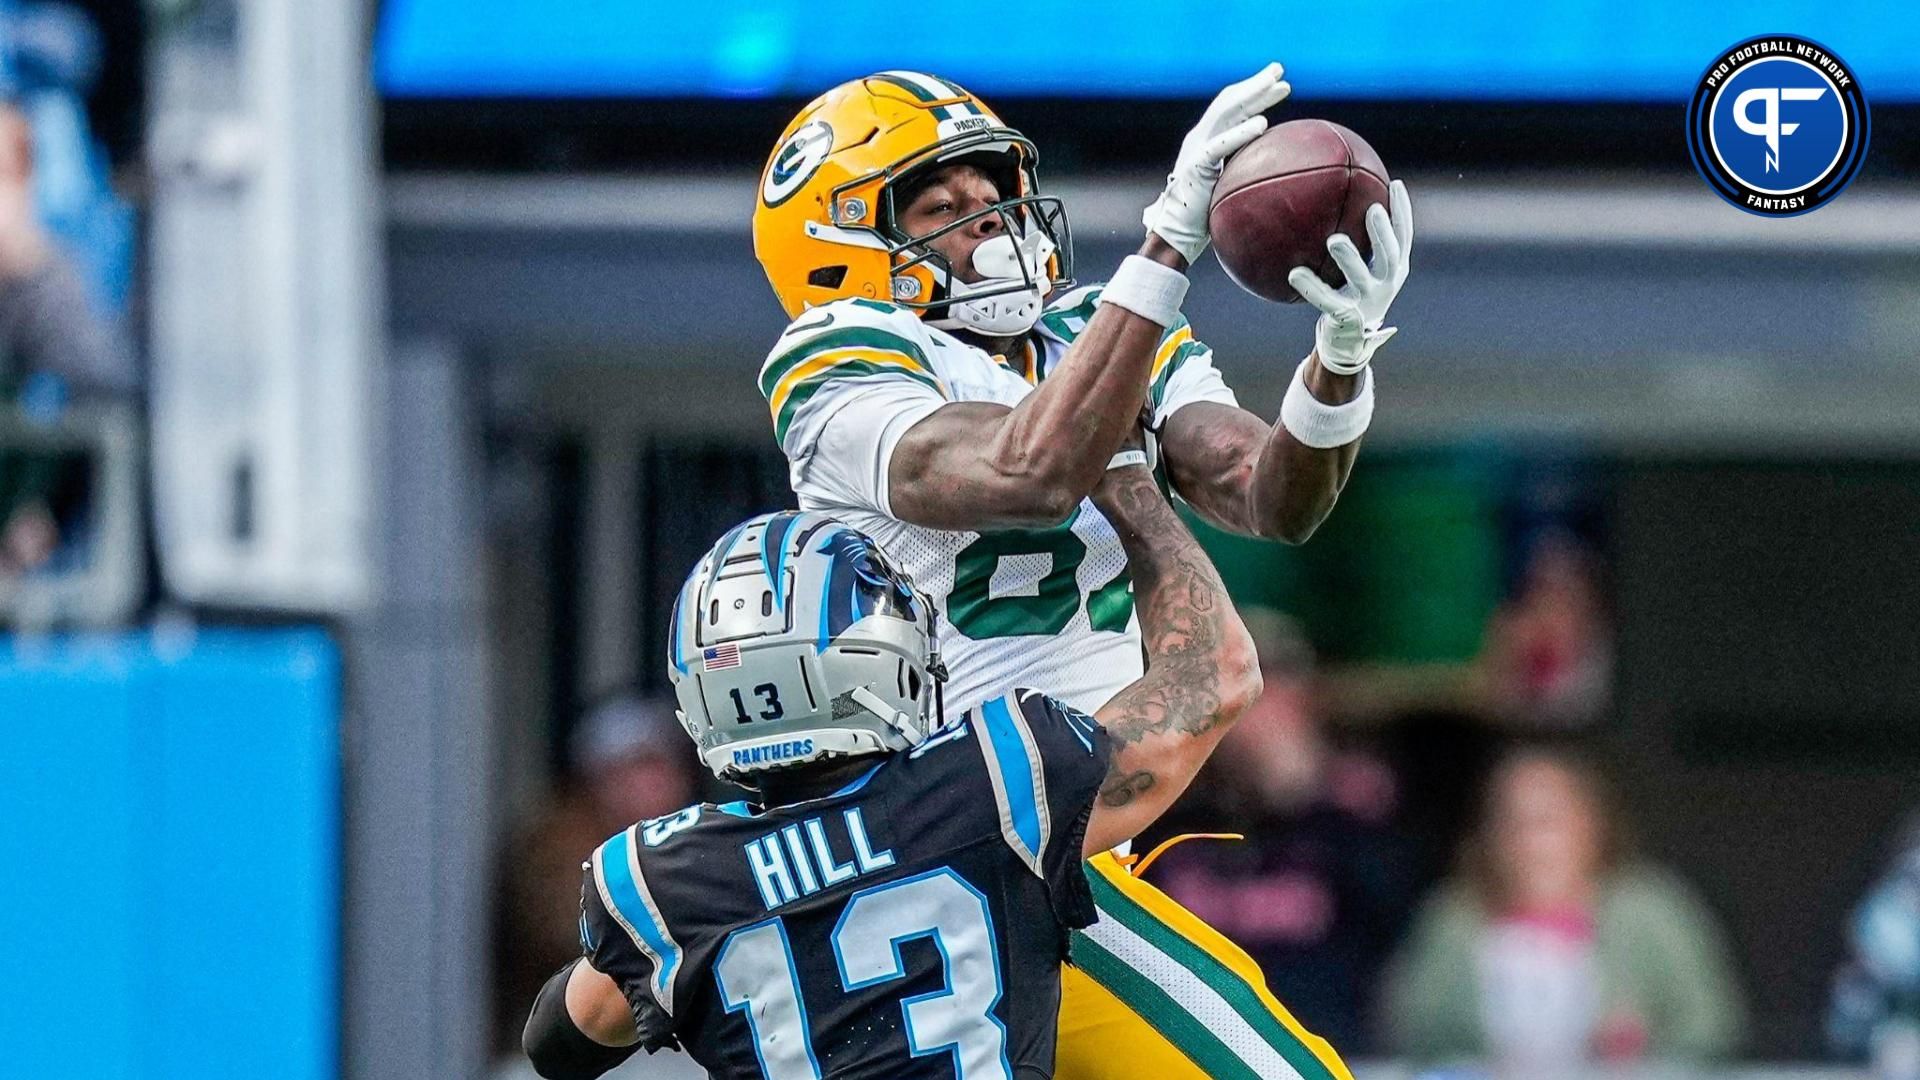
1120	789
1197	652
1201	672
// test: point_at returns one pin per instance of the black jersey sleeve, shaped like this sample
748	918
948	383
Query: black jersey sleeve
615	949
1047	761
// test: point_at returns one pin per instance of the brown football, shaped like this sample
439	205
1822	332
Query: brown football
1283	194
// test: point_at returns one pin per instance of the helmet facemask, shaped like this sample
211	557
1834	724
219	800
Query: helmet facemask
1026	261
1012	264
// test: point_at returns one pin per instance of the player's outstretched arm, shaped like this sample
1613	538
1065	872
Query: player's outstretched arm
982	465
1280	481
1202	672
1253	478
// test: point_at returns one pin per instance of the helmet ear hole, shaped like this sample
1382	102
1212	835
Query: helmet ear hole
827	277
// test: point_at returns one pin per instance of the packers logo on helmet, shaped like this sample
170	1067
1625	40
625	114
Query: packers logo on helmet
826	225
795	162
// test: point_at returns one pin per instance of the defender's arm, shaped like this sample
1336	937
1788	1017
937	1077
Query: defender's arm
580	1026
1202	672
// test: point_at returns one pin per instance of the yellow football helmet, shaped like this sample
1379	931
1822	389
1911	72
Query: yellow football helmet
824	227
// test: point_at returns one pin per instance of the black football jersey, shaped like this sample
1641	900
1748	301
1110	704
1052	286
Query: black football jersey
912	924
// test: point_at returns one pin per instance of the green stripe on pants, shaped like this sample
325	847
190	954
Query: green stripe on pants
1245	1001
1158	1009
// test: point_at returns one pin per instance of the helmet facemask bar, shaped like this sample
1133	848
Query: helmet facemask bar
888	590
1017	217
1018	214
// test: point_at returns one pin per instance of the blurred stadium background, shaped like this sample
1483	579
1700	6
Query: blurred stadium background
374	371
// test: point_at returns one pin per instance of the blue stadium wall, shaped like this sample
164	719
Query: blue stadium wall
170	832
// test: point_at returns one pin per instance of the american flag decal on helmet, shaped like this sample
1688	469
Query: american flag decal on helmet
721	657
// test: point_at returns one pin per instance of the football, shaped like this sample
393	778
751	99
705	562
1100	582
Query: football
1281	197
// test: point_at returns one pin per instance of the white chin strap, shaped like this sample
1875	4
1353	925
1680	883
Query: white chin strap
1007	265
910	729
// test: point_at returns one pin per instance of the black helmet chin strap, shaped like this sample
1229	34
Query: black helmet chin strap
936	670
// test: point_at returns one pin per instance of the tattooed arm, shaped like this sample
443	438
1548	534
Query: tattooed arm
1201	668
1253	478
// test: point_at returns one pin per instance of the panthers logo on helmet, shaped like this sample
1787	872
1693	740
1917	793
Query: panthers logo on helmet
795	639
796	161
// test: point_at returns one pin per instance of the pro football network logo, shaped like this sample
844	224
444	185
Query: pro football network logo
1778	125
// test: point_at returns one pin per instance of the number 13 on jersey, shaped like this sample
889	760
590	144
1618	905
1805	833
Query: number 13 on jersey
756	975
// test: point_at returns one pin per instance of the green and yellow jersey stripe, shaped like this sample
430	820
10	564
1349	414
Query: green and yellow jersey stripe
1170	343
1180	979
791	379
1177	344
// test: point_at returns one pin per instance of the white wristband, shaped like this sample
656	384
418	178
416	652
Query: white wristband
1322	426
1128	457
1147	289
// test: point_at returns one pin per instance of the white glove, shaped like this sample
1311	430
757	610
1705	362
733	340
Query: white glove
1349	328
1179	215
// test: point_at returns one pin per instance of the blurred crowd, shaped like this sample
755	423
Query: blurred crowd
1533	936
66	263
1876	997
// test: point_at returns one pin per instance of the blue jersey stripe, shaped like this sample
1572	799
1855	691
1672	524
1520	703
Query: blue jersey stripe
857	783
940	738
1016	773
1079	723
1085	737
616	873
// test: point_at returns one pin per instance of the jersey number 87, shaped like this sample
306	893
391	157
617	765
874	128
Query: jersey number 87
980	616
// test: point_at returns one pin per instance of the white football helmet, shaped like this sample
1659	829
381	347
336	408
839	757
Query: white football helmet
795	640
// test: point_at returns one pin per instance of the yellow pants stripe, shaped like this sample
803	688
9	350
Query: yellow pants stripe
1157	992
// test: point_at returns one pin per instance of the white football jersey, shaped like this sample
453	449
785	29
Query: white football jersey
1048	608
